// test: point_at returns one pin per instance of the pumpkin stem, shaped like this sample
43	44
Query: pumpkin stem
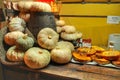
49	37
57	48
25	36
40	52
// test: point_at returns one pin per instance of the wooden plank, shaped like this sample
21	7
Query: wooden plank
70	72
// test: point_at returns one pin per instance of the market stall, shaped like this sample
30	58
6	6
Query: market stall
36	43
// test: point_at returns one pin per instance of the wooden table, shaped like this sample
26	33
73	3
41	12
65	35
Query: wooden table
61	72
68	71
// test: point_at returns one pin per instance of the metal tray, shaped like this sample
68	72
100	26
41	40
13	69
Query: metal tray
110	65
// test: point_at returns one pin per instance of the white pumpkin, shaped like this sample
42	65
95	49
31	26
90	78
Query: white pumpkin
24	43
69	29
11	37
26	6
36	58
47	38
60	22
14	54
17	24
61	55
45	7
70	36
66	44
59	29
21	5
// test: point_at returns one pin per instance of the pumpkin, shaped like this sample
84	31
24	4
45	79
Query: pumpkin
61	55
66	44
11	37
36	58
47	38
100	61
116	63
69	29
109	55
26	6
70	36
81	57
59	29
15	6
14	54
24	42
16	24
60	22
41	7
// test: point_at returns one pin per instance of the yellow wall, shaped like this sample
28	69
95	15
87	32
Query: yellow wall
92	27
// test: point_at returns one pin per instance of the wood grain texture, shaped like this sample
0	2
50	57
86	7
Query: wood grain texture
66	72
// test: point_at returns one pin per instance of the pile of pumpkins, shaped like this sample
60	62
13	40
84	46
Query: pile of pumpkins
52	46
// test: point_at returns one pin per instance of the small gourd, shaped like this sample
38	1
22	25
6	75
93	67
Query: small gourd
37	58
11	37
47	38
61	55
25	42
14	54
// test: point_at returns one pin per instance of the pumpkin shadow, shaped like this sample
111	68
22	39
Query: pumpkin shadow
58	64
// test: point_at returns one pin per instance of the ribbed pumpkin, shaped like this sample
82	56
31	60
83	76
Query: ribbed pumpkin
70	36
24	42
66	44
59	29
26	6
61	55
60	23
11	37
14	54
47	38
36	58
69	29
17	24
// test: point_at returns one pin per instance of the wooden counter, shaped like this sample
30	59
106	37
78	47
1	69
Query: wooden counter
61	72
12	71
